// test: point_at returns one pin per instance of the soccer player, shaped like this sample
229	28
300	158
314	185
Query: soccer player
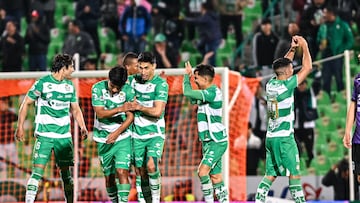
151	93
130	62
55	97
352	118
212	132
282	154
111	131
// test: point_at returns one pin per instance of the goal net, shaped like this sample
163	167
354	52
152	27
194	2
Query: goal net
182	150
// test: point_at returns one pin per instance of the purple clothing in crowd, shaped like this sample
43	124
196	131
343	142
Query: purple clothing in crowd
356	98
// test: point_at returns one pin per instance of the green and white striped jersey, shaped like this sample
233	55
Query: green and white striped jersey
102	97
146	94
53	100
280	106
209	115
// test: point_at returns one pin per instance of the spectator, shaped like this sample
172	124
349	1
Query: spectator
12	48
231	12
264	45
192	10
3	20
346	9
162	11
134	25
15	10
38	37
310	21
334	36
46	7
209	30
7	140
166	56
80	42
338	177
88	13
284	43
109	15
305	115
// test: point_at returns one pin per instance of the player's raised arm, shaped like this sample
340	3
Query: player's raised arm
187	89
306	59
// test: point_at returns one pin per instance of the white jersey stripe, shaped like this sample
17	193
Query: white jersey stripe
46	119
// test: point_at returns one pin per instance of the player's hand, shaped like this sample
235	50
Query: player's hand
111	138
188	68
19	134
84	133
135	106
346	140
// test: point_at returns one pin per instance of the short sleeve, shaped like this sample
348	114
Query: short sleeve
74	97
36	90
162	91
209	94
96	96
355	89
292	82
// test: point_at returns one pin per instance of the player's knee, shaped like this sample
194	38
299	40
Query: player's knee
122	173
216	178
151	165
110	180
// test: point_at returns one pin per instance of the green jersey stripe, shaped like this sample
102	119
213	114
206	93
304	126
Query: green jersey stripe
101	96
52	127
53	100
47	119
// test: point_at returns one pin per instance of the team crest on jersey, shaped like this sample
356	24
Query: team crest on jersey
149	87
67	87
122	96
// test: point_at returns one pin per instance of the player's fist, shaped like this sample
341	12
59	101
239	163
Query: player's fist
19	134
84	133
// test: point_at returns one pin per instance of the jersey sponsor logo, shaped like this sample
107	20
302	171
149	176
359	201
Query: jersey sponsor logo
49	86
94	96
122	96
162	93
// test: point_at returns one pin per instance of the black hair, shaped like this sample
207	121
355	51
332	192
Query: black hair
265	21
128	56
60	61
118	76
281	63
146	57
76	23
205	70
207	6
331	9
343	165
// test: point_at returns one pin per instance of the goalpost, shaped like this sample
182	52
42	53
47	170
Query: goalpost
182	150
